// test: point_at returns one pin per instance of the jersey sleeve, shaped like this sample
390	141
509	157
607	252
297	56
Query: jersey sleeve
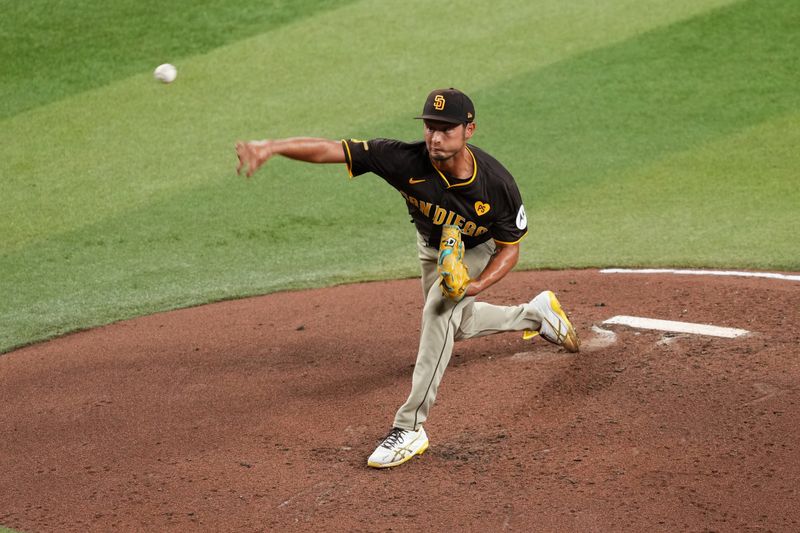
512	226
376	156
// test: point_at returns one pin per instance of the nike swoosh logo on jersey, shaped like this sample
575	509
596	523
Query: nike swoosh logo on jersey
412	181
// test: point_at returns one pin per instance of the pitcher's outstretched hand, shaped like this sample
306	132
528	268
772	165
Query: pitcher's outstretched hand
252	154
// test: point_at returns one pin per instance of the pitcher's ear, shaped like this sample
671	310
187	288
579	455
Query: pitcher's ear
469	130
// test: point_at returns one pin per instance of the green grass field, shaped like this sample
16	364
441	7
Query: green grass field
650	133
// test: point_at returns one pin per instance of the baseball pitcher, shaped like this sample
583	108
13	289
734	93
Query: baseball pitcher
469	219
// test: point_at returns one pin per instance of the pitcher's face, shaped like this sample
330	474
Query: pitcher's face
444	139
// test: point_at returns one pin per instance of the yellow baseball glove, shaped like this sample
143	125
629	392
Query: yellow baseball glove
452	271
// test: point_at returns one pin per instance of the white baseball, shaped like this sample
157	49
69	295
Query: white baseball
165	73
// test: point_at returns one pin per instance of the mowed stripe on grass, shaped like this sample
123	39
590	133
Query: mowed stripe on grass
136	208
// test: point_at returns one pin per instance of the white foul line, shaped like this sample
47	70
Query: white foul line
678	327
770	275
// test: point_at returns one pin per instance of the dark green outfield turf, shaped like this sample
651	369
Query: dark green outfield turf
49	50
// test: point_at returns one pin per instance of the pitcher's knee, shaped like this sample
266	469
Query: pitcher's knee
436	308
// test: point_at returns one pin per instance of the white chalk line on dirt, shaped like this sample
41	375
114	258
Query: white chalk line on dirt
770	275
676	327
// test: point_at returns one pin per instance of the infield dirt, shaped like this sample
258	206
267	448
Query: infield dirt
259	414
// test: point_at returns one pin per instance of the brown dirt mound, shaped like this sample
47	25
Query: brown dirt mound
259	414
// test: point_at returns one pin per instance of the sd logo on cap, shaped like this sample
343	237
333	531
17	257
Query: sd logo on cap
448	105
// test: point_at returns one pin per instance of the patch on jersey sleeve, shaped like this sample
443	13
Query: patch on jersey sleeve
522	218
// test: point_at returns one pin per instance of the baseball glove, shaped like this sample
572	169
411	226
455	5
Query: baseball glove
452	271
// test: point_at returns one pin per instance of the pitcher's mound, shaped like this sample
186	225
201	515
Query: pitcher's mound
259	415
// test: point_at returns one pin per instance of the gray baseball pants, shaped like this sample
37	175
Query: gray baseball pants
445	321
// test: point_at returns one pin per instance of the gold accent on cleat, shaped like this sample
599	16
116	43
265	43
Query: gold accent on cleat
528	334
569	340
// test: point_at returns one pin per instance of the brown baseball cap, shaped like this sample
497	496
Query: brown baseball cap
448	105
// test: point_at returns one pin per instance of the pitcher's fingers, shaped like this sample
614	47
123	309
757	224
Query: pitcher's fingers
239	150
251	167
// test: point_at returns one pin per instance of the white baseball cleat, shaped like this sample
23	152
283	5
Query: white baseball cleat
399	446
555	326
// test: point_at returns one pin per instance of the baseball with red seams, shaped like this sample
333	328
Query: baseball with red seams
165	73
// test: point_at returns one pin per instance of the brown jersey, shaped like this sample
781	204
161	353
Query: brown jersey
486	206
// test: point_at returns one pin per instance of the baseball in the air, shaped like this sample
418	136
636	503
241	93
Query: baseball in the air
165	73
